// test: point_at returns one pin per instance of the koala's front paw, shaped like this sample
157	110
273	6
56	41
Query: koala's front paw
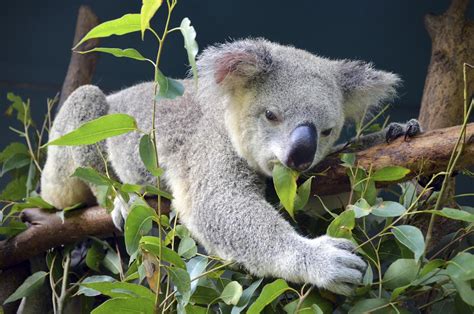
333	266
120	212
409	129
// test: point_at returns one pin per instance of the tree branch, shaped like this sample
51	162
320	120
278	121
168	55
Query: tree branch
428	153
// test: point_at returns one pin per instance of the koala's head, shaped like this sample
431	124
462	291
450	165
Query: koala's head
284	104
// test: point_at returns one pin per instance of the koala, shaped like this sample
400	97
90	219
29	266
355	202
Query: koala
256	103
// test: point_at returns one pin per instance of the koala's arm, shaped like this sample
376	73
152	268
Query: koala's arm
234	221
391	132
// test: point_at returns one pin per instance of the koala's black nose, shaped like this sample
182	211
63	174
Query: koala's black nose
302	147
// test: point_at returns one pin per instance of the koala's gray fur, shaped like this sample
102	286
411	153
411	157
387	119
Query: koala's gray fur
216	146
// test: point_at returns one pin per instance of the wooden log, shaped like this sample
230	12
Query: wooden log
427	153
82	66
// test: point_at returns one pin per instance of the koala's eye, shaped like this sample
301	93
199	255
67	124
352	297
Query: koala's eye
270	116
326	132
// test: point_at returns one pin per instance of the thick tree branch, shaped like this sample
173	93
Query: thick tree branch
427	154
82	66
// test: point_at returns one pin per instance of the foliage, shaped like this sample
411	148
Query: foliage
158	267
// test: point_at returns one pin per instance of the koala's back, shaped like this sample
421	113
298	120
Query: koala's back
173	141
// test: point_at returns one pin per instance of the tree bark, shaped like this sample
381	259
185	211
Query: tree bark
446	92
427	153
82	66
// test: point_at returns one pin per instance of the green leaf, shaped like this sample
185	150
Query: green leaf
269	293
204	295
302	194
430	266
388	209
138	223
37	201
90	175
370	306
131	188
348	159
169	88
408	194
119	289
412	238
391	173
187	248
15	189
361	208
246	296
455	214
125	306
128	23
97	130
149	8
196	266
13	149
90	292
400	273
231	293
461	266
342	225
312	304
95	255
30	285
284	180
182	282
22	108
119	53
13	228
153	244
148	155
190	44
112	262
149	189
16	161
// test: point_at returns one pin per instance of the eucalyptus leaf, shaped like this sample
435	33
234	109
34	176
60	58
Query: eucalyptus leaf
90	175
30	285
138	223
126	24
302	194
284	180
391	173
361	208
388	209
190	44
125	305
169	88
370	306
246	296
153	245
148	10
119	53
269	293
119	289
187	248
342	225
231	293
182	282
400	273
98	130
91	292
452	213
148	155
412	238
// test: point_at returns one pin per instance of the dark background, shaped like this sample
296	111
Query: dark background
37	37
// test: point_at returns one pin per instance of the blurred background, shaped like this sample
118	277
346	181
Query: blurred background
37	39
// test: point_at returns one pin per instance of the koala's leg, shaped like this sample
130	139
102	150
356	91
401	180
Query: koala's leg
57	186
391	132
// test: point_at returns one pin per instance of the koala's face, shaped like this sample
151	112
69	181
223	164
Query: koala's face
286	105
294	117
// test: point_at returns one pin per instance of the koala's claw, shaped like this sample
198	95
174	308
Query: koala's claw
338	269
409	129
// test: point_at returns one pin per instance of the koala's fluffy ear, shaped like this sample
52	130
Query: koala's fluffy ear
363	87
234	65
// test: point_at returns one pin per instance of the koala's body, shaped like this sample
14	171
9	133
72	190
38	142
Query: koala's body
257	102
